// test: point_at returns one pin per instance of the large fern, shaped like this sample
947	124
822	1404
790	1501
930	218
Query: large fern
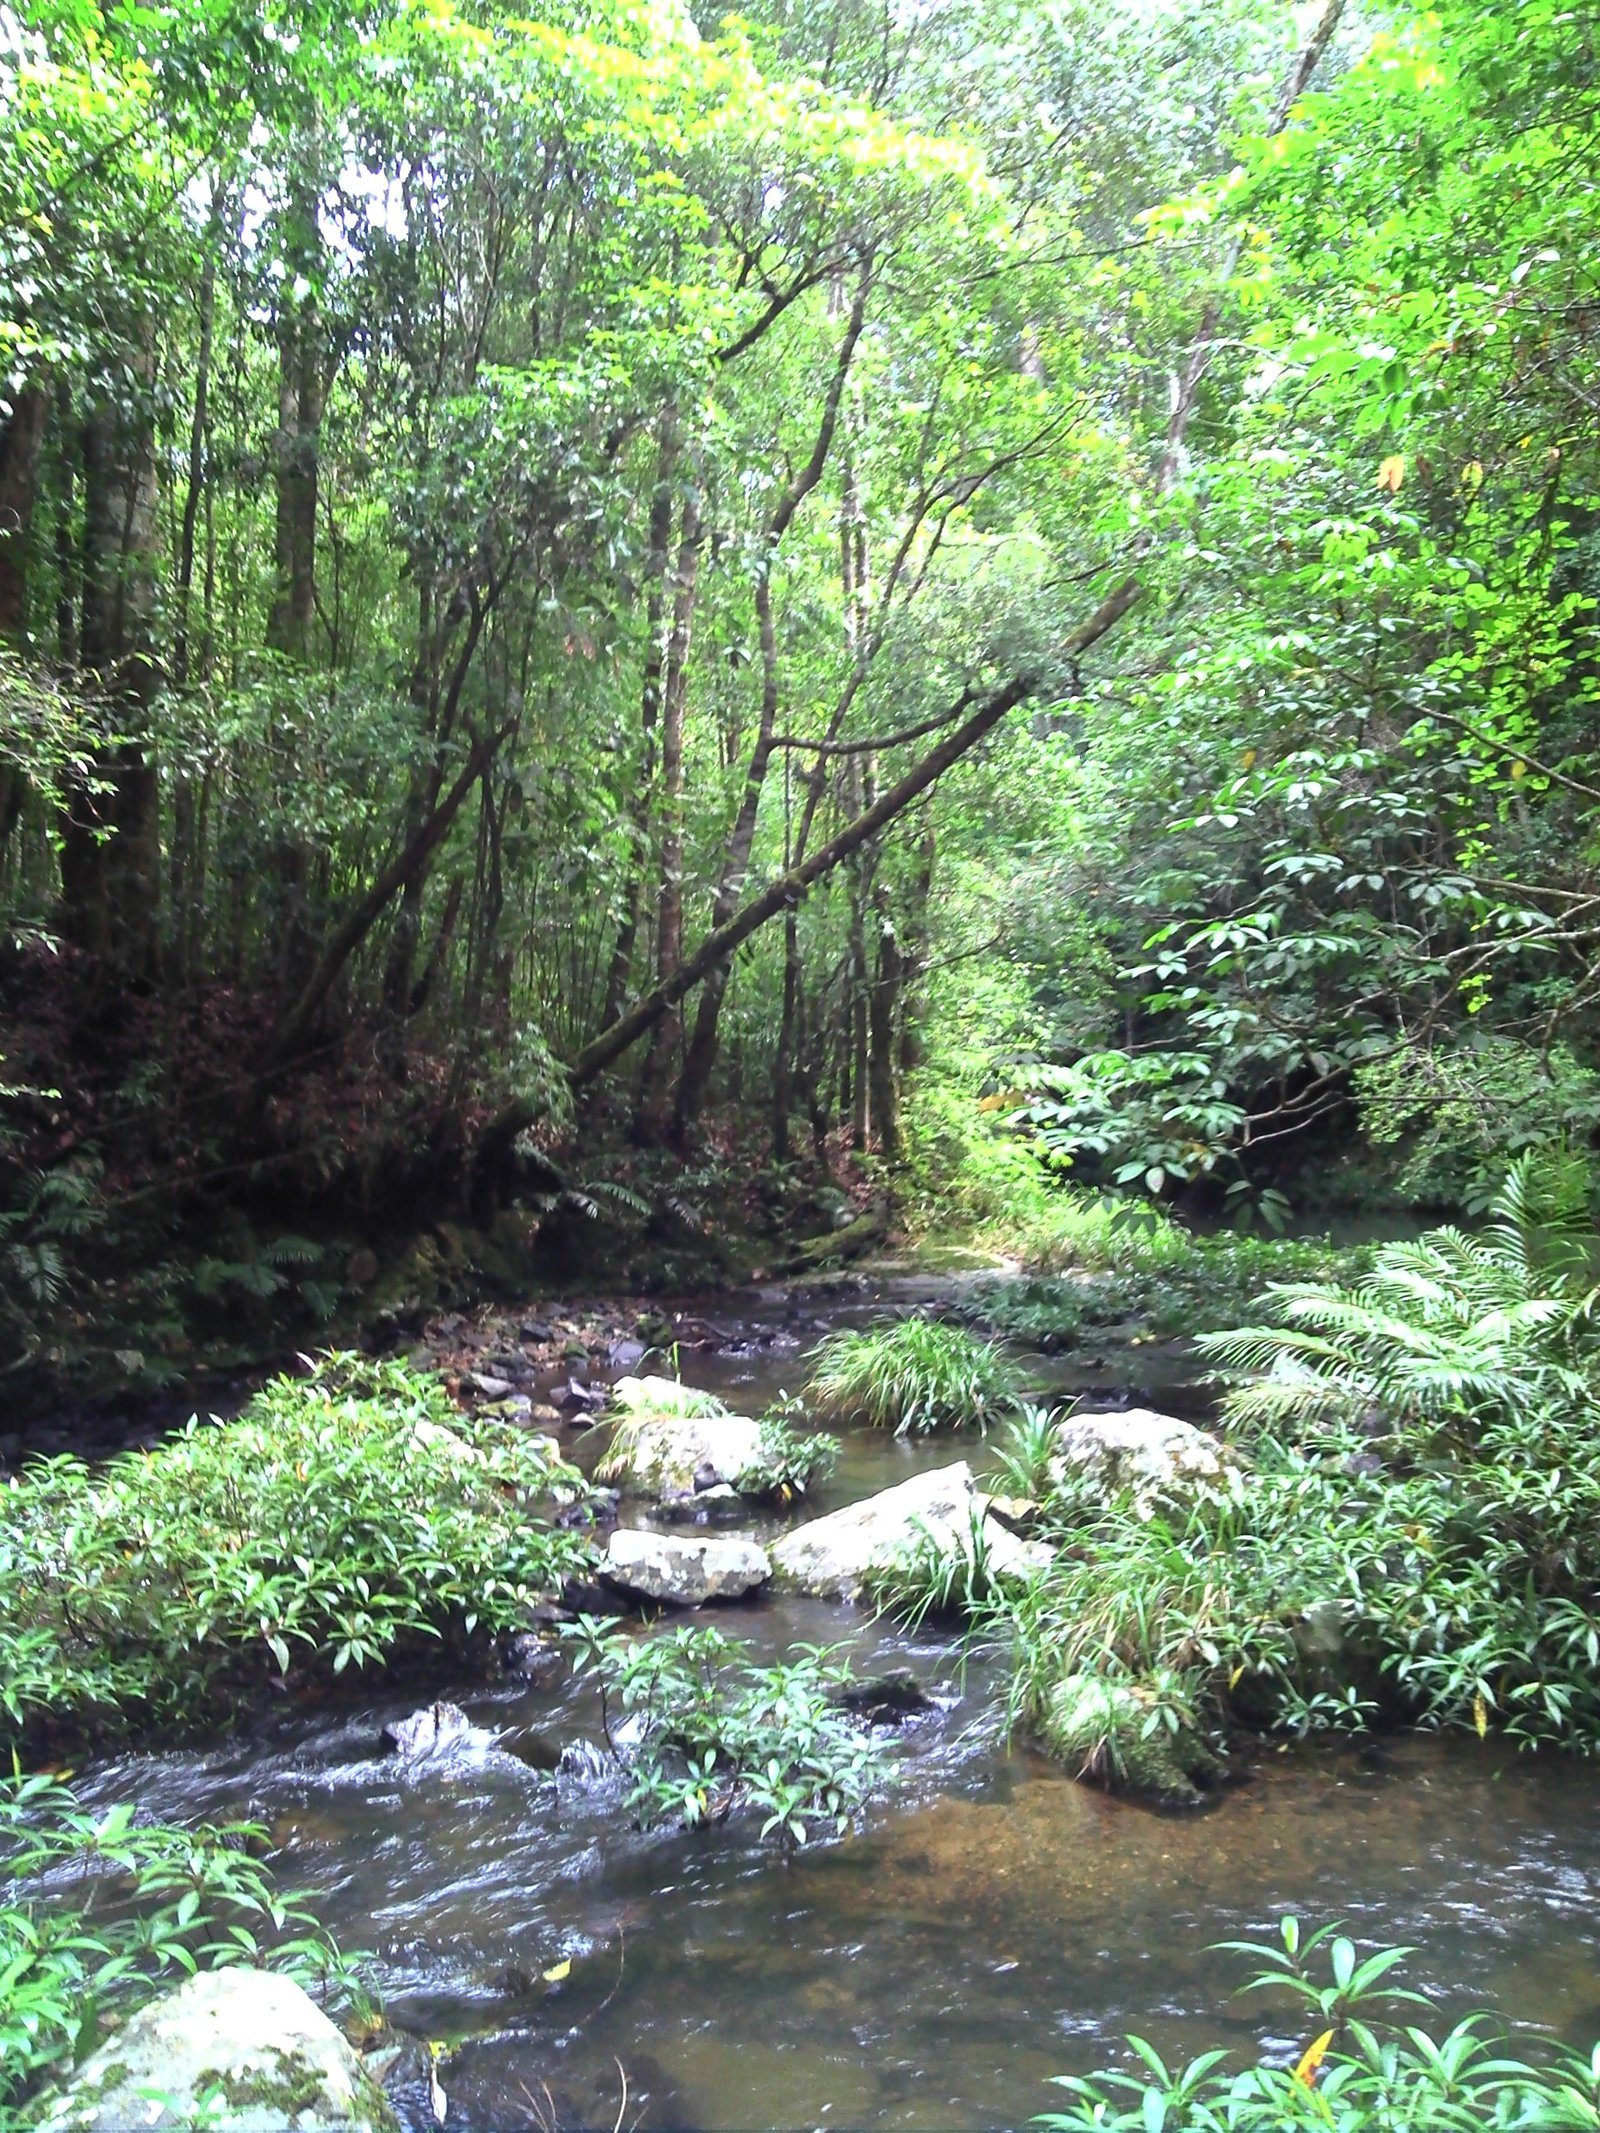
1447	1328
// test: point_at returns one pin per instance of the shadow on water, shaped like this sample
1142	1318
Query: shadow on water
993	1925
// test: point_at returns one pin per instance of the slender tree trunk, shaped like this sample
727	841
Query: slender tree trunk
674	706
297	445
695	1080
21	447
610	1045
620	975
110	860
883	1082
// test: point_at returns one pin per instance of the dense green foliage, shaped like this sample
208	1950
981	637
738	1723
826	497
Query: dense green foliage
710	1734
612	571
141	1903
1364	2070
344	1516
1423	1544
911	1375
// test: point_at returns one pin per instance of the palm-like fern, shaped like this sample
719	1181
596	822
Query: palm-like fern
1447	1327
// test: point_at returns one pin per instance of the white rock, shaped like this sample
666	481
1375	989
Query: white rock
684	1571
1164	1465
832	1556
665	1450
251	2036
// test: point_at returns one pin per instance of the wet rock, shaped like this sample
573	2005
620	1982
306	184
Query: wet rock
440	1729
623	1355
1162	1464
1102	1731
584	1596
597	1510
488	1387
587	1398
534	1658
666	1453
885	1699
537	1750
704	1507
833	1556
537	1330
250	2035
681	1572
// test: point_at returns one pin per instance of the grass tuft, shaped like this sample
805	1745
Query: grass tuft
911	1375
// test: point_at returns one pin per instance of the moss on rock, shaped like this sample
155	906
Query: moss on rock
1126	1736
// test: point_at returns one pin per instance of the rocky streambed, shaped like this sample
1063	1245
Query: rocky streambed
992	1925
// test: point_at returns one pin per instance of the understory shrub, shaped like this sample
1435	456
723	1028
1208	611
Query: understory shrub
789	1461
342	1515
1360	2070
1419	1530
709	1735
98	1911
911	1375
1154	1275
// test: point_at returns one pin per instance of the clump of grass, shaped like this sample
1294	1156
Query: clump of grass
911	1375
1022	1464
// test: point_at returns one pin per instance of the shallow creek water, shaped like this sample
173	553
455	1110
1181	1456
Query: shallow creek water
993	1924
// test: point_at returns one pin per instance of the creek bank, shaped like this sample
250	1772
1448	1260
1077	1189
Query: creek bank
252	2038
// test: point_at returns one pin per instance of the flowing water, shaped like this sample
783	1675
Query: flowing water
994	1924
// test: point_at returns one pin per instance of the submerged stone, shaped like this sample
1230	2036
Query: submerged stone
250	2037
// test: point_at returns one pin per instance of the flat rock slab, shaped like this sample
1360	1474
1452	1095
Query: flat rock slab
833	1556
1163	1464
684	1571
272	2053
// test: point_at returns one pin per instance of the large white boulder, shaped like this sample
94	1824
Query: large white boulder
663	1451
248	2037
833	1556
681	1570
1164	1465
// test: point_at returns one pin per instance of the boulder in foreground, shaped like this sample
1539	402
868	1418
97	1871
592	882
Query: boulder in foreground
681	1571
1164	1465
250	2037
833	1557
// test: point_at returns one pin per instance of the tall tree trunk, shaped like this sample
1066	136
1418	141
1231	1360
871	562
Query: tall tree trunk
883	1082
110	861
620	974
21	446
695	1080
721	942
674	705
296	452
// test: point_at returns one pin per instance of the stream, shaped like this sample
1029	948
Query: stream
992	1925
